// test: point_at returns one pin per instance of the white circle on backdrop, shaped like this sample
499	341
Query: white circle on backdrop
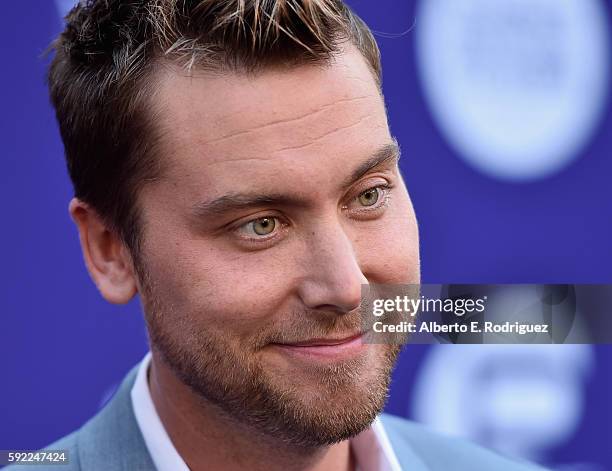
516	87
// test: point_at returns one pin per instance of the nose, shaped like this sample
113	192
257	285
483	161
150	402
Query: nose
333	278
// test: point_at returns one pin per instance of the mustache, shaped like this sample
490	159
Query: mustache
304	325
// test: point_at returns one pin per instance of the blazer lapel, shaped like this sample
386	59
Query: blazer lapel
112	439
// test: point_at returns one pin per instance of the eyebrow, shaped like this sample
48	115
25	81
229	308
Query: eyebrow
388	152
240	201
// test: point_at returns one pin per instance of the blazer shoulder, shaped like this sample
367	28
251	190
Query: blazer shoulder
442	452
111	440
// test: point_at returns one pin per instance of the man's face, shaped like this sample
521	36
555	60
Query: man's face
280	197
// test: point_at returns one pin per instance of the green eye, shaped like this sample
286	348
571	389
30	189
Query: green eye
263	226
369	197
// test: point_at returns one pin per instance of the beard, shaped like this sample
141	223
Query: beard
305	405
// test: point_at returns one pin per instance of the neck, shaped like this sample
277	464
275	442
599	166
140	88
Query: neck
206	438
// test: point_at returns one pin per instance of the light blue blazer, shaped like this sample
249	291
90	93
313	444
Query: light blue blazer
112	441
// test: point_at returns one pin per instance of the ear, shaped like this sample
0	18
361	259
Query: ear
107	258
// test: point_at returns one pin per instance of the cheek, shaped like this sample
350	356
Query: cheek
215	288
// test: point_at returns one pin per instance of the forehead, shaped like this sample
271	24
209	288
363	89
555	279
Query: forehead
294	123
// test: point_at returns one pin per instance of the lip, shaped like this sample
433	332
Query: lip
325	348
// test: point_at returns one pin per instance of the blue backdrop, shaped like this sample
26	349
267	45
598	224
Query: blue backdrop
63	349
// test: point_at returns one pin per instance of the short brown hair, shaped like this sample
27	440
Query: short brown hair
99	88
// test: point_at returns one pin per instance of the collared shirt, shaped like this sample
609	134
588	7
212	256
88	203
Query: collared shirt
371	448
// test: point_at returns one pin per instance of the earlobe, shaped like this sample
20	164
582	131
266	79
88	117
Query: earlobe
108	261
